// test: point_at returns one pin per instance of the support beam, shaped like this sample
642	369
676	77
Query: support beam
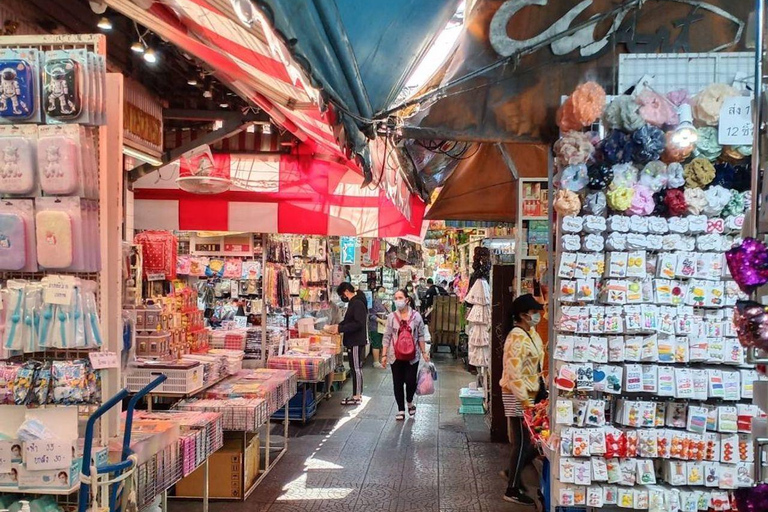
428	133
230	127
507	160
178	114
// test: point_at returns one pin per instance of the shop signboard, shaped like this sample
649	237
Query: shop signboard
225	245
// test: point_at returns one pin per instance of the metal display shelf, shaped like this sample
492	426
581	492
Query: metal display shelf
47	492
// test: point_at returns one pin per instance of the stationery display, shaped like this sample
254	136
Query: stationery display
652	393
276	387
237	414
308	368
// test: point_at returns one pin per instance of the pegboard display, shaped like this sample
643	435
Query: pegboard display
691	71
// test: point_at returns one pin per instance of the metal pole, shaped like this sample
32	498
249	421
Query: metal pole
756	115
205	485
264	344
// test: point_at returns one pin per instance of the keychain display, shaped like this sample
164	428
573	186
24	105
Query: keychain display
19	72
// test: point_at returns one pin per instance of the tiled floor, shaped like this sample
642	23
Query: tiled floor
363	460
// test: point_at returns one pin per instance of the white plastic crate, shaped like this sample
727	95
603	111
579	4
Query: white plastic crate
181	381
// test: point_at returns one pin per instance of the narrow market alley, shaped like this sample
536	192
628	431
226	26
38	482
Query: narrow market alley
363	460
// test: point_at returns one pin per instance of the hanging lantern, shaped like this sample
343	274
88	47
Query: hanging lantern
200	173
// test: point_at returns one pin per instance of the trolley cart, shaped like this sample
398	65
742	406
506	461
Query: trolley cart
109	479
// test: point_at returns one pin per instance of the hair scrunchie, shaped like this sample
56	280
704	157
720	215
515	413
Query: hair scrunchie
588	102
737	153
647	144
679	97
717	198
573	148
642	201
655	109
673	152
600	176
696	200
623	113
595	203
707	145
675	201
736	206
675	178
567	203
725	175
573	177
624	175
654	175
660	208
707	104
616	148
620	198
742	178
699	172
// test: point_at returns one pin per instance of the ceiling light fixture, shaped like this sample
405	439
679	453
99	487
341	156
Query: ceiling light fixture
192	82
104	23
137	47
150	56
224	105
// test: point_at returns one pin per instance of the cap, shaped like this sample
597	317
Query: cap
525	303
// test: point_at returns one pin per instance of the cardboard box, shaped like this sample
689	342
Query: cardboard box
50	478
225	474
252	461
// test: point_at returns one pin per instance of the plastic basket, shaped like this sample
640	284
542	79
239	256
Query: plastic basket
180	380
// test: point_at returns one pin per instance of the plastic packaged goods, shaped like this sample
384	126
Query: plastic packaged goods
65	232
18	160
19	72
17	235
65	86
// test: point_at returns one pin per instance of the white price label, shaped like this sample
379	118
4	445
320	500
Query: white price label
736	127
103	360
157	276
58	290
44	454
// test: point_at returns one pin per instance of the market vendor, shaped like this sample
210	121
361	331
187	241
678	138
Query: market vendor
355	330
522	386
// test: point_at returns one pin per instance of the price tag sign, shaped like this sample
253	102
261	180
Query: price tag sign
103	360
156	276
736	127
42	454
58	290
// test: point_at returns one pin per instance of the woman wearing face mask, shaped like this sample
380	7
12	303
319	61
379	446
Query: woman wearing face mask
376	323
404	371
521	386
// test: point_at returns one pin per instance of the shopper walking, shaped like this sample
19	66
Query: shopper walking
355	330
521	385
404	346
377	321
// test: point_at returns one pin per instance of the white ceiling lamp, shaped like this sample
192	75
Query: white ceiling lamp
224	105
150	55
685	134
137	47
245	11
192	82
104	23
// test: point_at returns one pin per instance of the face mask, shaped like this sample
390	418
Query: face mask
535	319
382	295
409	288
400	304
344	298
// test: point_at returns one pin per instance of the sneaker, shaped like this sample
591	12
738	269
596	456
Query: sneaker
515	496
377	365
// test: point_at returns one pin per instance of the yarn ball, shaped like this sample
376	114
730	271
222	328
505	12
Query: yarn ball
673	152
717	198
573	148
655	109
624	175
675	201
642	201
696	200
647	144
707	104
699	172
600	175
654	175
595	203
679	97
573	177
616	148
623	113
675	178
588	102
620	198
567	203
707	145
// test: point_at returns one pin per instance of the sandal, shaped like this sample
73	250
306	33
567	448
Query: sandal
400	416
351	401
412	410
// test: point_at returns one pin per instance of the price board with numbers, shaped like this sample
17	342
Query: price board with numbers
736	127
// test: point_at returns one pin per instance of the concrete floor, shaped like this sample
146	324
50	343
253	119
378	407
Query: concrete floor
363	460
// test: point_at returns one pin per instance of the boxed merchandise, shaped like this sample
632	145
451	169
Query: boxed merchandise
50	478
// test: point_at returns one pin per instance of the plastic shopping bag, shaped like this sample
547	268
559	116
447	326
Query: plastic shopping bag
426	380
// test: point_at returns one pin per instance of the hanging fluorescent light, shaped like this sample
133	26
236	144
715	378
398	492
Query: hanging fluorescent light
137	47
224	105
192	82
104	23
144	157
685	134
245	11
150	55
